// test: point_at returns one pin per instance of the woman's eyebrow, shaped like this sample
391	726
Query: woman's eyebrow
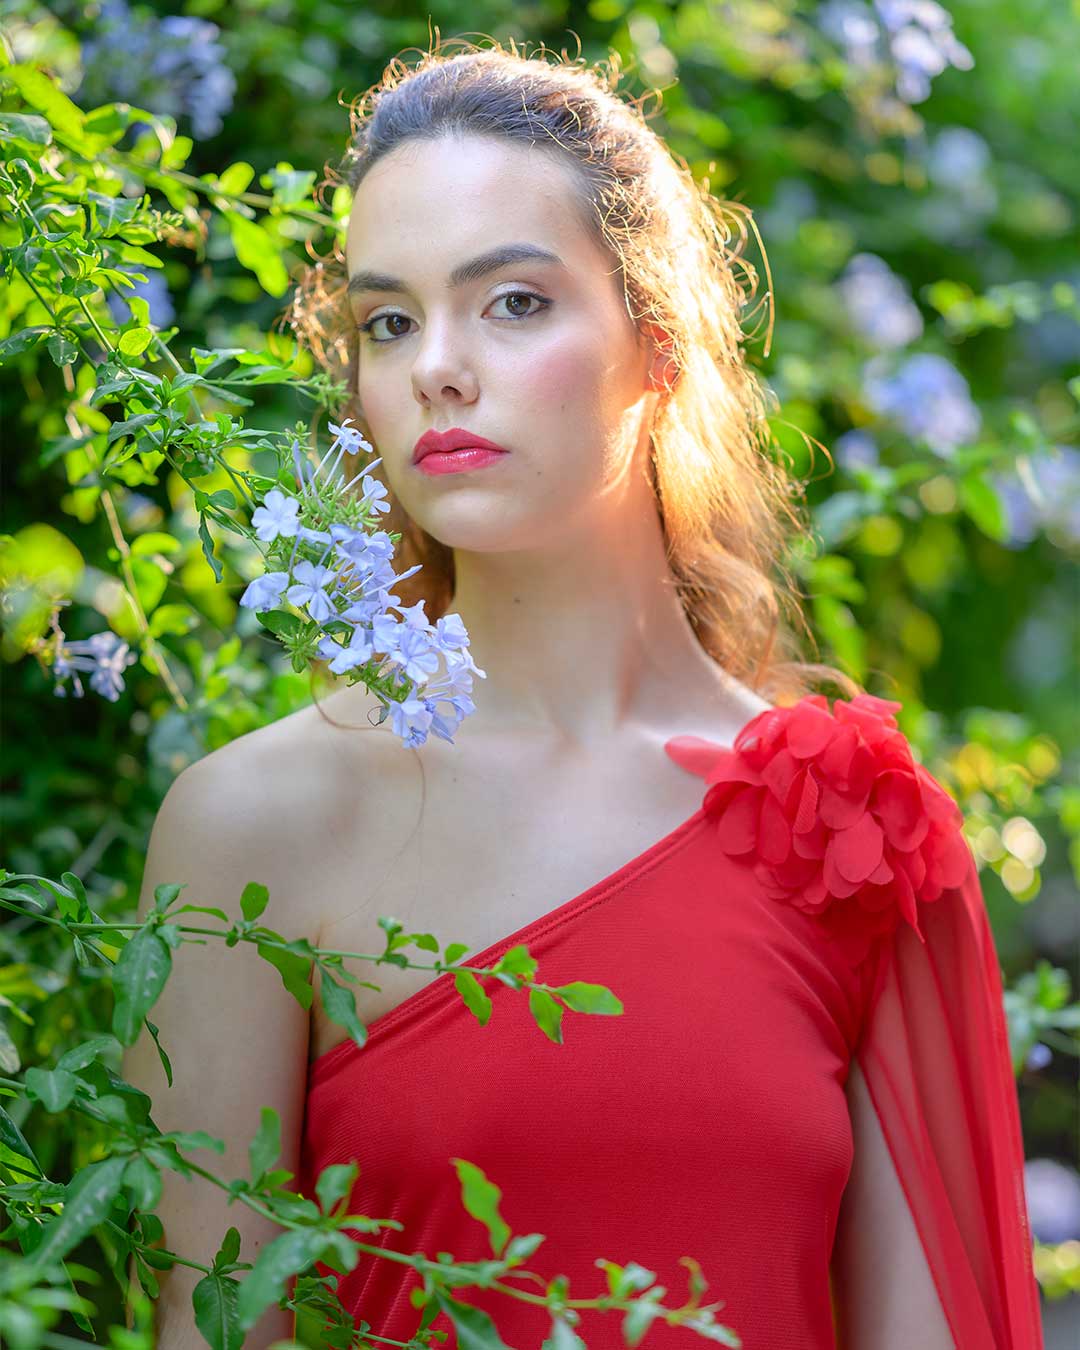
464	273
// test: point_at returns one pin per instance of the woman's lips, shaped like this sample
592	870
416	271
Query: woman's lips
459	461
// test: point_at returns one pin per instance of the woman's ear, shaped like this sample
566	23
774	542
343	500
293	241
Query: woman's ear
663	369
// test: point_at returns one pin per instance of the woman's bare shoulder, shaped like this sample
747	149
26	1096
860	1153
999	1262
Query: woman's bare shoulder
284	752
289	780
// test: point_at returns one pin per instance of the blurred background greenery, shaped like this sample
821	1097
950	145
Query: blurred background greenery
914	173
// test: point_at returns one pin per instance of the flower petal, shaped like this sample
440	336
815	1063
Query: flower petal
857	850
738	827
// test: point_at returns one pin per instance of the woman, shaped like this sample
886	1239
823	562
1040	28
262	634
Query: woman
808	1090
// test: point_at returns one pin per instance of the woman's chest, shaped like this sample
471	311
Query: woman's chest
471	857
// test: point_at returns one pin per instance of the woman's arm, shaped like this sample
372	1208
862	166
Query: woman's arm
236	1038
884	1294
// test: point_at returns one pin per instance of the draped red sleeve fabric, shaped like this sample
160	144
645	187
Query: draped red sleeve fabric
839	821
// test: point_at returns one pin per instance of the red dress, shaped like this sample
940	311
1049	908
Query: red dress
821	904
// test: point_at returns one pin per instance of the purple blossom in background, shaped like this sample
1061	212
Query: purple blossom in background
1038	1057
1054	337
959	158
792	203
879	303
958	164
1053	1199
153	290
922	44
1042	496
856	449
172	66
915	37
852	24
928	397
104	654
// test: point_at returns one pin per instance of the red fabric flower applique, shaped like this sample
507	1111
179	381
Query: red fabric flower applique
840	819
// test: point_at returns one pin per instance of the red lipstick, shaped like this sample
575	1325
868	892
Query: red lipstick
454	451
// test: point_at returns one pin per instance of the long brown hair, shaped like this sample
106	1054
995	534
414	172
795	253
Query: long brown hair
730	510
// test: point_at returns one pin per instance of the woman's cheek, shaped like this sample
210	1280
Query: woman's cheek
557	383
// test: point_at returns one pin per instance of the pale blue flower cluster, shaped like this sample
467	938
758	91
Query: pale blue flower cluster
915	37
878	302
172	66
856	449
104	654
928	397
1041	495
347	583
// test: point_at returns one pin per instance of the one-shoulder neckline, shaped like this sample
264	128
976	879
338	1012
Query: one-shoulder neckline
597	891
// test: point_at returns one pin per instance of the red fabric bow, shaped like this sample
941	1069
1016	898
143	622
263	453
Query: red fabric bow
840	819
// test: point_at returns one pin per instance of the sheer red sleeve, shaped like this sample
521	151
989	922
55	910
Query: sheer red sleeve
843	824
935	1055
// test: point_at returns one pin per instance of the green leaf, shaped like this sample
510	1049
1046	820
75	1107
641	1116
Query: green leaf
481	1197
254	900
281	622
547	1013
265	1149
208	549
79	1056
53	1088
10	1062
143	1181
293	966
257	252
229	1249
290	186
25	127
132	425
563	1337
135	341
166	1063
471	990
172	620
588	998
215	1300
165	894
176	155
983	505
334	1183
23	340
15	1152
236	178
42	93
88	1200
155	541
138	978
340	1006
75	886
473	1327
287	1255
63	351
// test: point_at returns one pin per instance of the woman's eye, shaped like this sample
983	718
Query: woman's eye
367	328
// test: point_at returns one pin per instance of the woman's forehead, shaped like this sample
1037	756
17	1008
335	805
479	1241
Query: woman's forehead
451	200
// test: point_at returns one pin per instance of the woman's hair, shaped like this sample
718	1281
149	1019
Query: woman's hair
728	508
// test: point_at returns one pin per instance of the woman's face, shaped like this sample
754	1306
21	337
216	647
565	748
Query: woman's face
540	357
